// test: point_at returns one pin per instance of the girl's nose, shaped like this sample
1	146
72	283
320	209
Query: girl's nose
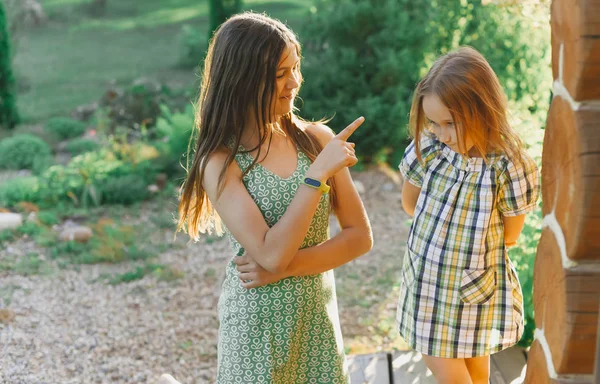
293	81
444	136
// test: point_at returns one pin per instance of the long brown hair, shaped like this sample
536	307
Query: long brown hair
467	85
238	84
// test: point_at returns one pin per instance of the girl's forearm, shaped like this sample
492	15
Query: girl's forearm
340	249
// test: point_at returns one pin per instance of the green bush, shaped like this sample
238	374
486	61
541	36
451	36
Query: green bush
24	151
523	257
124	190
134	107
21	189
193	46
65	128
80	179
364	57
48	218
176	128
80	145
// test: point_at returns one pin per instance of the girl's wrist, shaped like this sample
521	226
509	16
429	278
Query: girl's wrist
317	174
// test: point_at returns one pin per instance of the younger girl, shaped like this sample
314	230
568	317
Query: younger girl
267	175
468	184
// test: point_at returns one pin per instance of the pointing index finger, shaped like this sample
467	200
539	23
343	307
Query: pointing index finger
349	130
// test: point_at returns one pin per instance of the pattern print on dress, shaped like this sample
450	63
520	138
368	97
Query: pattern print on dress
288	331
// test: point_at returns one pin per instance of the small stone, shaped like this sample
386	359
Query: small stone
80	234
388	187
10	220
6	316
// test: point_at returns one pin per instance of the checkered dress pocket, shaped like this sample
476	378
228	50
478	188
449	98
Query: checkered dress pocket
478	285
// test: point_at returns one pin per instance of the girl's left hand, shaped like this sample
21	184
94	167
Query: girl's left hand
253	275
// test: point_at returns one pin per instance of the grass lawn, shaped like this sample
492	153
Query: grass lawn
71	60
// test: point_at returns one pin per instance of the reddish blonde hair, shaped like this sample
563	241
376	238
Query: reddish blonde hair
467	85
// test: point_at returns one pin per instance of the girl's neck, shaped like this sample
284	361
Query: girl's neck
251	138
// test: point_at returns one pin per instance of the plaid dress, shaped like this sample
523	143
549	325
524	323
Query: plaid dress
459	294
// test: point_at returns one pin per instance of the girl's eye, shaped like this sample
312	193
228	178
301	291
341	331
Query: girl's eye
280	76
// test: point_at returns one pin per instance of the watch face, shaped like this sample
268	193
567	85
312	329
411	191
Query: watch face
312	182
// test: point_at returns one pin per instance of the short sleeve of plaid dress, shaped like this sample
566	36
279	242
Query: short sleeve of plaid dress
459	294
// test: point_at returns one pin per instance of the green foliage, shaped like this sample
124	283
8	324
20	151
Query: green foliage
221	10
80	145
111	243
21	189
29	228
80	179
124	190
135	106
377	50
24	151
193	46
9	117
176	128
523	258
64	127
159	271
48	218
514	38
6	236
30	264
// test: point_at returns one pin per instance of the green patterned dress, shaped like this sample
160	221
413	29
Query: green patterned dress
288	331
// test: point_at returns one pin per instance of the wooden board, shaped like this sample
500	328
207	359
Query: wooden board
576	25
566	305
571	177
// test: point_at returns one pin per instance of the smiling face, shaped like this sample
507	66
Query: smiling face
287	81
441	123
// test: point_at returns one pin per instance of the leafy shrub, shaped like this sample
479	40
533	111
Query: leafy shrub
80	179
48	218
176	128
80	145
24	151
135	106
21	189
124	190
193	46
523	257
65	127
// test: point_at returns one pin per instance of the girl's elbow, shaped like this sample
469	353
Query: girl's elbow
408	208
366	240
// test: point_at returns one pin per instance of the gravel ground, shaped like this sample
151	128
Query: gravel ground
69	326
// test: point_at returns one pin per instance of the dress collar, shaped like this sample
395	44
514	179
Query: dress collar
473	164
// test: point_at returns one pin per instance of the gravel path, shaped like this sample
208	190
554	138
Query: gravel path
68	326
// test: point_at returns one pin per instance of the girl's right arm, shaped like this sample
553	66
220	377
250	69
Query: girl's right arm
410	195
274	247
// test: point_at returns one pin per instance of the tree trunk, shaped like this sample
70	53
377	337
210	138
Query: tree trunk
221	10
8	108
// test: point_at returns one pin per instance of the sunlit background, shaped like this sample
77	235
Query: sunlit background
104	94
